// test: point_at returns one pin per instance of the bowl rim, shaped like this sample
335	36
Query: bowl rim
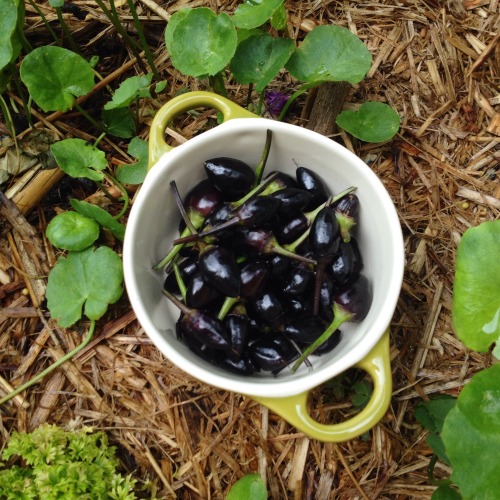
255	386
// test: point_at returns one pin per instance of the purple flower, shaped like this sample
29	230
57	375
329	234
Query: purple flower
275	102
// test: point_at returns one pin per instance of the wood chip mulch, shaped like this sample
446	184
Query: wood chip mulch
438	65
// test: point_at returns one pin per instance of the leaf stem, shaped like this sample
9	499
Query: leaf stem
260	103
217	83
294	96
45	21
115	21
66	31
125	197
53	366
145	45
88	117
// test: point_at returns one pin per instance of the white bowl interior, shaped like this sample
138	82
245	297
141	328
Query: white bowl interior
154	219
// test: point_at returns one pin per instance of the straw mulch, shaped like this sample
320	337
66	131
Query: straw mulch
438	65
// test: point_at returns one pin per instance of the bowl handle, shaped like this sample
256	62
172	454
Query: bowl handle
294	408
181	104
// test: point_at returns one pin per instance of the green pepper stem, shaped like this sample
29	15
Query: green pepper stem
226	307
340	316
259	169
180	281
53	366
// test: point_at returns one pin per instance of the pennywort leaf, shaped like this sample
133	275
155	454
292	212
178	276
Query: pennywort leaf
200	42
119	122
249	486
431	414
471	434
85	281
54	76
11	21
259	58
78	158
476	289
131	89
103	218
330	53
72	231
135	173
372	122
446	492
254	13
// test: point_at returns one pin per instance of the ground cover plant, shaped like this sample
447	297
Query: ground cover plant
440	170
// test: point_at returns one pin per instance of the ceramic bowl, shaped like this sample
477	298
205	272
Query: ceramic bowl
153	224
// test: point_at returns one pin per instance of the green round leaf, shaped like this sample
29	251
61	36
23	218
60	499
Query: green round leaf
10	41
88	280
135	173
72	231
471	434
172	24
476	289
131	89
249	486
373	122
55	76
330	53
78	158
259	58
254	13
119	122
446	492
202	42
103	218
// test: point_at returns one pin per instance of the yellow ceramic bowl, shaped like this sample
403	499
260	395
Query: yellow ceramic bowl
152	226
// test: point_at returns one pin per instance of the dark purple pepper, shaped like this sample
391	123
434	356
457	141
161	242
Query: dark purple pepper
199	293
305	329
312	182
267	355
298	280
267	307
347	214
231	176
293	201
346	264
218	267
254	277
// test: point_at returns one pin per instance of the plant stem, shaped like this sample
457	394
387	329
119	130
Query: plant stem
53	366
249	95
217	83
88	117
125	197
99	139
46	22
115	21
260	103
145	45
66	31
8	121
294	96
